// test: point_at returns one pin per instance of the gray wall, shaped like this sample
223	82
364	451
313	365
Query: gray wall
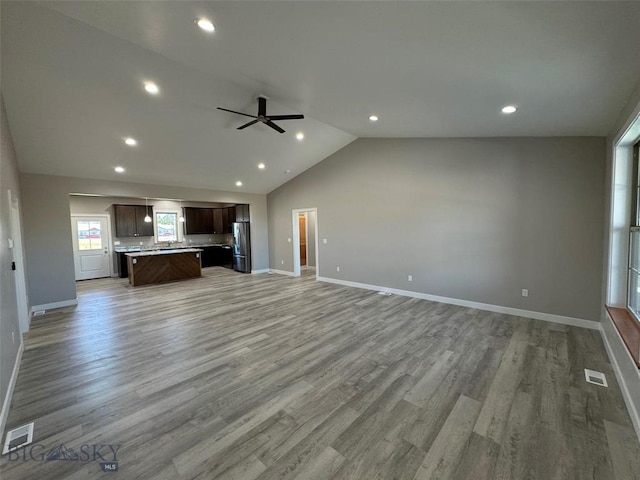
470	219
8	306
47	226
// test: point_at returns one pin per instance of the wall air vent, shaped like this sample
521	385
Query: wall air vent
596	378
18	437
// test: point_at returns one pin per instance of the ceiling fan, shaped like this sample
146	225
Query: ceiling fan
262	116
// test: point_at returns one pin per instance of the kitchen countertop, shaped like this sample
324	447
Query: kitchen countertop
162	252
135	248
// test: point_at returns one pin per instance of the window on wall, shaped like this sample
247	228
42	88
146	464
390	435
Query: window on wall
633	297
166	226
89	235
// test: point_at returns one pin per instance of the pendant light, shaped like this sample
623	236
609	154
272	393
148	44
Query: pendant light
147	218
181	217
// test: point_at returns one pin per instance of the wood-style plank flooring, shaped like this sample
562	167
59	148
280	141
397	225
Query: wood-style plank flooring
234	376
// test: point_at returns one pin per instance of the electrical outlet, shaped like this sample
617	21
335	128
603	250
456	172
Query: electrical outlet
410	278
13	337
289	240
525	292
282	262
337	269
324	240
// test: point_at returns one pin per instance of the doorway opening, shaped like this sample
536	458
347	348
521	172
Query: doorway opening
305	241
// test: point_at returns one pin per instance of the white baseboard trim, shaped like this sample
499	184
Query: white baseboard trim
49	306
547	317
4	414
280	272
632	402
263	270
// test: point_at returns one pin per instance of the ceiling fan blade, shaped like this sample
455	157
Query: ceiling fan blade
262	107
237	113
247	124
274	126
286	117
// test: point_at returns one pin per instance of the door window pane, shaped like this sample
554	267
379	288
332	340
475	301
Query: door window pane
167	227
89	235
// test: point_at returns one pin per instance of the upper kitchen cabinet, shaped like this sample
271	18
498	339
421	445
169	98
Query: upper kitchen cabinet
223	219
231	216
198	220
130	221
218	221
242	213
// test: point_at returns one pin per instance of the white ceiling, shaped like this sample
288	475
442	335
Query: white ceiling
72	75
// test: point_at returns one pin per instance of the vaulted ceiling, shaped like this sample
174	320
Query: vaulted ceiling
73	75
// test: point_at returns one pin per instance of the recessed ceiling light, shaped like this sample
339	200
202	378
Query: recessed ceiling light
238	183
373	118
300	136
119	169
151	87
205	24
262	166
509	109
132	142
287	171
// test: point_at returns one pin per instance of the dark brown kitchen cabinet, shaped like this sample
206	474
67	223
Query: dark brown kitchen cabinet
218	225
232	217
242	213
226	223
198	220
130	221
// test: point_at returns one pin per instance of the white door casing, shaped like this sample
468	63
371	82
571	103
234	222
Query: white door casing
22	299
91	246
296	240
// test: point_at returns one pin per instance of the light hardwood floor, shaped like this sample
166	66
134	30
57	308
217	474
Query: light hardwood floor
235	376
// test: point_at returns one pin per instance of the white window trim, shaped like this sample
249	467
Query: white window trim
155	224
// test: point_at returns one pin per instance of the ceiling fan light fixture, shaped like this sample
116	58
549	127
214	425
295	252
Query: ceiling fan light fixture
262	116
205	24
262	166
119	169
300	136
508	109
238	183
373	118
132	142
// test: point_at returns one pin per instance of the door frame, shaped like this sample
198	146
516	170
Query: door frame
296	239
15	228
107	217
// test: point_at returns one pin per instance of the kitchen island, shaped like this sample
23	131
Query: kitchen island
159	266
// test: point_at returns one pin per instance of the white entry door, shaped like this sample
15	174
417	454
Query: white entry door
91	247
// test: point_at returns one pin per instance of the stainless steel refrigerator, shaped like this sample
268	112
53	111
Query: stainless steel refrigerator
241	248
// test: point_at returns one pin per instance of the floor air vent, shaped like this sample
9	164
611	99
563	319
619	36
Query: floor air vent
18	437
594	377
38	312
